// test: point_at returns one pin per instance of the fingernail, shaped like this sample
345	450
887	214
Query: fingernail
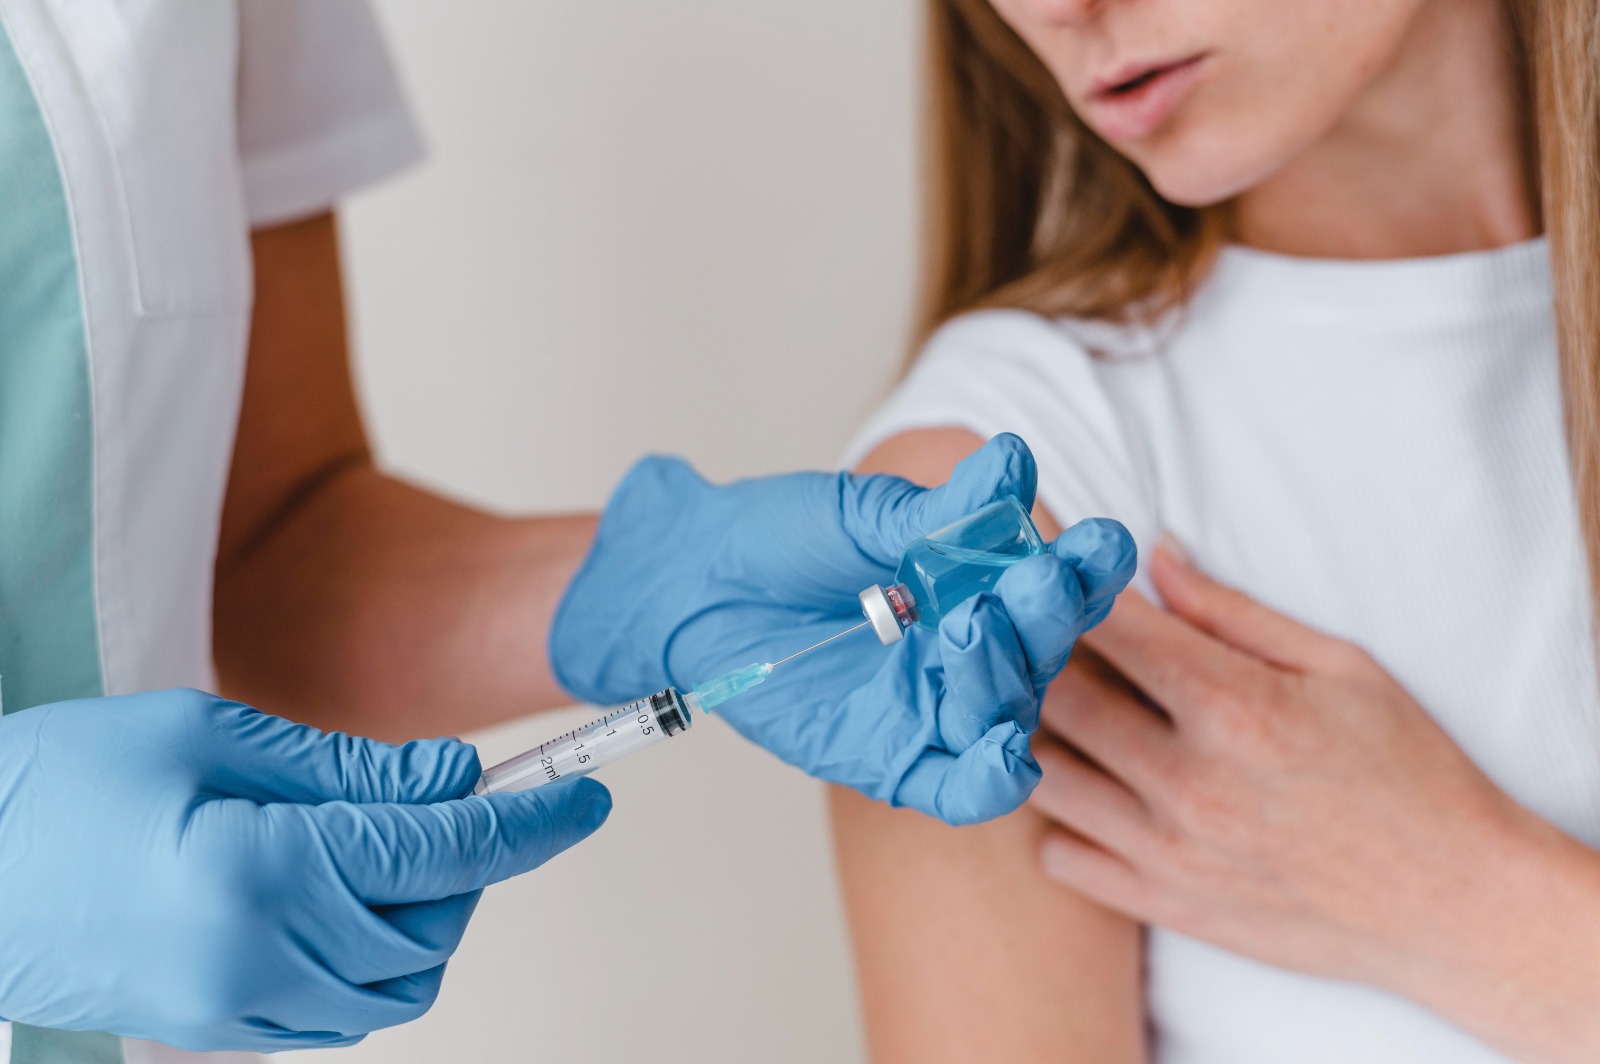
1170	543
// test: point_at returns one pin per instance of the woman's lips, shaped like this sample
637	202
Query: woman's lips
1137	101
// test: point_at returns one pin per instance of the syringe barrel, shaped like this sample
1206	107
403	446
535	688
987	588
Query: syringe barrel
597	744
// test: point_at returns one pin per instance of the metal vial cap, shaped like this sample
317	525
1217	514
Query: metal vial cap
880	613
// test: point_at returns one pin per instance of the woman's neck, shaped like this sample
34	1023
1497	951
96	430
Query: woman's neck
1434	159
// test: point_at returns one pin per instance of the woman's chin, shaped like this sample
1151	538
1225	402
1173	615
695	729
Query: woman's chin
1187	187
1192	174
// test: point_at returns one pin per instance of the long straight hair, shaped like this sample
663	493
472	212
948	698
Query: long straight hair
1025	207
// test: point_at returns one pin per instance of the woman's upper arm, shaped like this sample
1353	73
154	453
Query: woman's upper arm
964	951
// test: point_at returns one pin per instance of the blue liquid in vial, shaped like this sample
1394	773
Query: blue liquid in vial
949	566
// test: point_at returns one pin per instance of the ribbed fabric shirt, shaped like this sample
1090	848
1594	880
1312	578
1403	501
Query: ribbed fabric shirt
1374	448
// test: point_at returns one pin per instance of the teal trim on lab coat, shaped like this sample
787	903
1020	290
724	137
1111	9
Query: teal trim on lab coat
40	1045
49	634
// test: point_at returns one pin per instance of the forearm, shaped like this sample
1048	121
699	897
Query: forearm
1513	953
377	608
352	600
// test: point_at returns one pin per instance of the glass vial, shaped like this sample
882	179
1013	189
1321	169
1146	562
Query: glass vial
950	565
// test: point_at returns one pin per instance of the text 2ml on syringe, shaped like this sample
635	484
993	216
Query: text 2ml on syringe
938	571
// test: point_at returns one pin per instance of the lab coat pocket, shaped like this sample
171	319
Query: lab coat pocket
162	76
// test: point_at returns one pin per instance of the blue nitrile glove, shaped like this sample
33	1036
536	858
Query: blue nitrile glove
192	871
687	580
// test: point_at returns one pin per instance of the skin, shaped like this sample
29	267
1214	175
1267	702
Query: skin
1398	121
1018	969
1196	819
346	598
1332	128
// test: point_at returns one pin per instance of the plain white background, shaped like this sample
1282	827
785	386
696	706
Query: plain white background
646	225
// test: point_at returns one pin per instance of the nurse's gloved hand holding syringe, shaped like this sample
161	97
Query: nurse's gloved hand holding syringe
687	580
189	870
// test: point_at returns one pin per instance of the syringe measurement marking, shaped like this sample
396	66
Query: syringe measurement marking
549	764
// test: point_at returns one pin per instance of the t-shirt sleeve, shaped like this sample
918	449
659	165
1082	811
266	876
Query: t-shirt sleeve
1011	371
321	109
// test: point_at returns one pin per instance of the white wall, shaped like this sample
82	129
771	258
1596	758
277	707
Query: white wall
647	225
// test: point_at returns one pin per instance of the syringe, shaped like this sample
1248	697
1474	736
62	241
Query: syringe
941	569
582	750
627	730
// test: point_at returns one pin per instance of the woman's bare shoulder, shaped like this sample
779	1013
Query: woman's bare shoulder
964	951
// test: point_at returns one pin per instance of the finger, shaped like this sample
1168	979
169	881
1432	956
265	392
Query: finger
434	928
346	1010
986	674
1104	556
321	1005
1240	621
1182	668
392	854
883	513
367	945
1100	716
1100	876
991	778
358	941
263	758
396	940
271	1038
1088	675
1044	600
415	993
1079	796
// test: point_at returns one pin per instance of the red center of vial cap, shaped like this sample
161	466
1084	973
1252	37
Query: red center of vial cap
905	607
889	611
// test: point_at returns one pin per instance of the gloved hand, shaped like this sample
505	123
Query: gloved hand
687	580
188	870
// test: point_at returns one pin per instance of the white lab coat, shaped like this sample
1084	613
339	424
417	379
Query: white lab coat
178	126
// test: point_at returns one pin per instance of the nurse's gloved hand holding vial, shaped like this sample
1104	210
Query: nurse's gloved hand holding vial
937	573
687	580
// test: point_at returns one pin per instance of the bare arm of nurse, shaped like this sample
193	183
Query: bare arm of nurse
346	598
1063	972
353	601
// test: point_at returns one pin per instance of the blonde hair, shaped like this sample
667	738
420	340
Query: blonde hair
1560	42
1027	208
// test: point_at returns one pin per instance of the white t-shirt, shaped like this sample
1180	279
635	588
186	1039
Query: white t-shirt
1373	448
177	127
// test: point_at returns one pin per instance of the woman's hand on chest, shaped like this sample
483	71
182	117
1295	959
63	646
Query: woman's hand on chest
1221	770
